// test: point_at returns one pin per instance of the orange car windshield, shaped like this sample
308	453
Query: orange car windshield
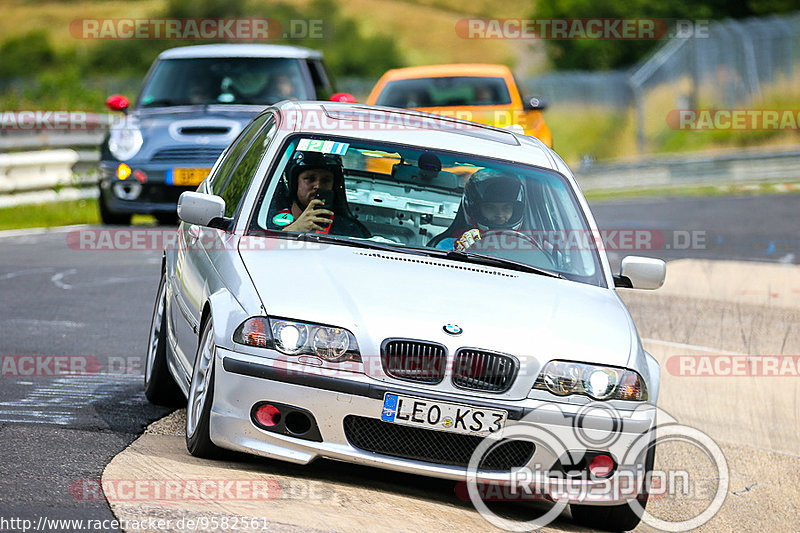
445	92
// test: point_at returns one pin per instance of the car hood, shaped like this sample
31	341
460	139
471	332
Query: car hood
148	115
379	295
210	128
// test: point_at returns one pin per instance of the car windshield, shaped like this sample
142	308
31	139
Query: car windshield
224	80
445	92
434	202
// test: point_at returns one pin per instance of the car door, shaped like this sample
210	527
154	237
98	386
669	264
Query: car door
194	273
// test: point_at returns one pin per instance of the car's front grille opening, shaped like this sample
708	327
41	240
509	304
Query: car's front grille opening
483	371
187	155
410	360
430	446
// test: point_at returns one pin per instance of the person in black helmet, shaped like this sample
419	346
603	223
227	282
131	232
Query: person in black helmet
492	201
301	211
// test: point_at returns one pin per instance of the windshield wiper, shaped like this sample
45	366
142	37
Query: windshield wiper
472	257
356	243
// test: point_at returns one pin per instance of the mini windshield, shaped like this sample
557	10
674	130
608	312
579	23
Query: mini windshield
224	80
430	201
445	92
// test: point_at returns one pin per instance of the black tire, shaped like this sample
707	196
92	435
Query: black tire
198	441
110	218
160	387
614	517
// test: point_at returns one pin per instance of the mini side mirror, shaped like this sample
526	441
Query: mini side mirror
117	102
343	97
531	103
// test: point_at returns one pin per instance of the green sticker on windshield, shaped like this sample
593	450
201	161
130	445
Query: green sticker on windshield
326	147
282	219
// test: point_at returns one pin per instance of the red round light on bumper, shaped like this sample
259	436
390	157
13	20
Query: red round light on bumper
601	465
268	415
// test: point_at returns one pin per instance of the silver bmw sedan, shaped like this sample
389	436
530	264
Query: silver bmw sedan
411	292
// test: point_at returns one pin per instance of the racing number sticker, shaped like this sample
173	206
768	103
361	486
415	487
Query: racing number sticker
325	147
283	219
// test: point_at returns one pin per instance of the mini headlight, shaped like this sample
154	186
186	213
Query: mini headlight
597	382
125	140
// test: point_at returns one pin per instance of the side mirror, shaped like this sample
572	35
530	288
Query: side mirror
531	103
343	97
201	209
641	273
117	102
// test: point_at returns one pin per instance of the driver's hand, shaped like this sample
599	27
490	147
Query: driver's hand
311	219
468	239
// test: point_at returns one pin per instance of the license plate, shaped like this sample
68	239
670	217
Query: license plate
186	176
443	416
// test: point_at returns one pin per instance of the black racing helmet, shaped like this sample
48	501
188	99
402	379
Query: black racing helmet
493	186
312	160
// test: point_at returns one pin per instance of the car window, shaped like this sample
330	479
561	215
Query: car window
411	198
224	80
444	92
319	78
234	153
243	174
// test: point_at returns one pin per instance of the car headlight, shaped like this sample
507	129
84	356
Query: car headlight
598	382
291	337
125	141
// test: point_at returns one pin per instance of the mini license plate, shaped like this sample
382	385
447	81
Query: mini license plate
186	176
443	416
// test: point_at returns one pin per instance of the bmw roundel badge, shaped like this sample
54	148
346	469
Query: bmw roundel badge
452	329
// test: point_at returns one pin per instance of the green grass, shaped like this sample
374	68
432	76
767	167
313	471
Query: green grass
56	214
701	190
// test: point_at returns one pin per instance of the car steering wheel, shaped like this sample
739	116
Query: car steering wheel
499	233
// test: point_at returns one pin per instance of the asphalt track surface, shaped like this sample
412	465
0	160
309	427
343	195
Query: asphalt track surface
58	301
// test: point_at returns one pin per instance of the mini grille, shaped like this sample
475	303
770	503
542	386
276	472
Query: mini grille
422	362
439	447
187	155
483	371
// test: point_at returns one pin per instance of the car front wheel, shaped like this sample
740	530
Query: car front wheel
201	396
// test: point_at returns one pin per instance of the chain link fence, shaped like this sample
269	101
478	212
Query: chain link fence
720	64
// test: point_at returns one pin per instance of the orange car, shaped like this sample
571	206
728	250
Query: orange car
487	94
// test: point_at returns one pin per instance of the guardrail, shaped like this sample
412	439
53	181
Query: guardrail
67	173
739	167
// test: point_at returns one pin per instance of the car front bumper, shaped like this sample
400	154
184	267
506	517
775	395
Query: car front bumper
129	196
242	381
